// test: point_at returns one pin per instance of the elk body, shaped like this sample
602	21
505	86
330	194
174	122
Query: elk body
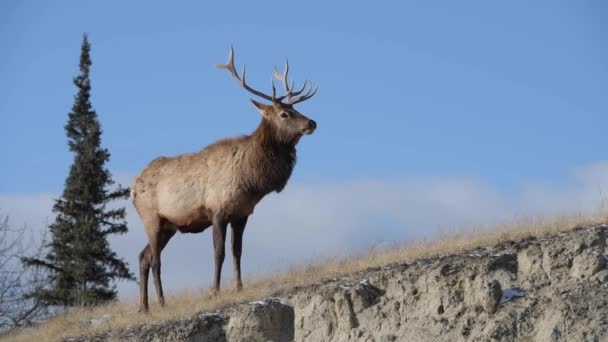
220	184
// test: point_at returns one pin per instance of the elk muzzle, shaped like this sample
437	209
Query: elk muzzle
310	128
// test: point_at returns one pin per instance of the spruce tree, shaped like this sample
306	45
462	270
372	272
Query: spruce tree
79	262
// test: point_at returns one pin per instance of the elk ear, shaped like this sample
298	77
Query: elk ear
261	107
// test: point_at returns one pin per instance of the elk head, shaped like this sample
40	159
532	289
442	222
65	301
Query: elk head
287	123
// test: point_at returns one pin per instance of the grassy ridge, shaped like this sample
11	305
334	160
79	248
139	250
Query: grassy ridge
124	313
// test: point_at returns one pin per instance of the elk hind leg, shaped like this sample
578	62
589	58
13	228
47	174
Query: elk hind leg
163	237
146	256
145	259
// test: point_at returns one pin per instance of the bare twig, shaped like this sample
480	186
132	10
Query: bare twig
16	281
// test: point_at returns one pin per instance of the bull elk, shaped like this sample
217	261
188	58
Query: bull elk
220	184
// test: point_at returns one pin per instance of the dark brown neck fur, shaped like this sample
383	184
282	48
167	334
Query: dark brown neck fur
269	160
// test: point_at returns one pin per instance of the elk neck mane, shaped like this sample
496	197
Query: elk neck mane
269	159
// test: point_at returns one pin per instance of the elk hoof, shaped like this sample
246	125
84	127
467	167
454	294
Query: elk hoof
238	287
143	309
214	293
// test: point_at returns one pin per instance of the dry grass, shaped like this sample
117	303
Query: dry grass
123	314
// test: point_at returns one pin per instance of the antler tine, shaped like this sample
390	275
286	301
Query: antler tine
274	90
230	67
298	92
283	77
304	97
276	74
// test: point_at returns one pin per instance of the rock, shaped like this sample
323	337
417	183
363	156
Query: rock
201	328
267	320
493	295
530	261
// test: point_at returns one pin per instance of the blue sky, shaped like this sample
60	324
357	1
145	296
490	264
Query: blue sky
501	103
501	92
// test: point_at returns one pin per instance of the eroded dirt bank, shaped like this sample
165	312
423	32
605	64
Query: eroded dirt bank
553	288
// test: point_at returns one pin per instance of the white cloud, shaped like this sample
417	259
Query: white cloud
313	220
33	210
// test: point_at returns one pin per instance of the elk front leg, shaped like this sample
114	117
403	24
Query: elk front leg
238	228
219	239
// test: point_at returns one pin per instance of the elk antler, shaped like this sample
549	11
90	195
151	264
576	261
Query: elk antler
230	67
292	96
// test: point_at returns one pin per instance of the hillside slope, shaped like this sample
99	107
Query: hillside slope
550	288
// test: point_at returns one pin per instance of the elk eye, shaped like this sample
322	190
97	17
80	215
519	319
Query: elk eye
284	115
